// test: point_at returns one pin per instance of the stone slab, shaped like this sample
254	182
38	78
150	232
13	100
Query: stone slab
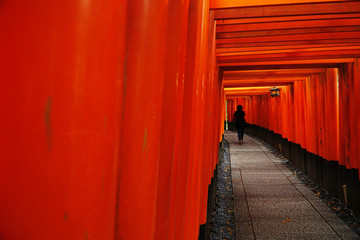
244	231
281	208
272	203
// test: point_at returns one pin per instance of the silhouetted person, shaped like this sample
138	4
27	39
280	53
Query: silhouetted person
240	123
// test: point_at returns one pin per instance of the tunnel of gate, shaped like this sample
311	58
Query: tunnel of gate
301	119
88	99
309	50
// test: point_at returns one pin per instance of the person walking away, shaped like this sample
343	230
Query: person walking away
240	123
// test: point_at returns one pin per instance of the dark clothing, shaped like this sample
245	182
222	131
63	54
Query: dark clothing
240	123
240	133
240	119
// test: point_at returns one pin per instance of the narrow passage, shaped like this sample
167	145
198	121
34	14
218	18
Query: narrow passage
271	203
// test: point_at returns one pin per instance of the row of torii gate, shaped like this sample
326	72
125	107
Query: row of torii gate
113	110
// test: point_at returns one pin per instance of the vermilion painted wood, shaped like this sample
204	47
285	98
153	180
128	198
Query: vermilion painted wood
356	126
193	191
210	108
321	116
332	113
310	38
218	4
298	113
141	128
258	83
223	109
282	47
288	10
344	122
302	24
293	55
287	18
177	14
207	39
189	210
180	19
285	32
233	55
353	148
281	64
354	114
279	43
60	99
187	117
272	73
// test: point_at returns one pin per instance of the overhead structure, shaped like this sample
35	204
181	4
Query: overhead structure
309	49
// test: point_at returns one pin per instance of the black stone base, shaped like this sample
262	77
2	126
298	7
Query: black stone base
327	174
204	233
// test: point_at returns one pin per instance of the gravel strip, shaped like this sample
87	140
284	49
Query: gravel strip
223	221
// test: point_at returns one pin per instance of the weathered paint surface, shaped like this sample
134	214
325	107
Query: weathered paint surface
60	78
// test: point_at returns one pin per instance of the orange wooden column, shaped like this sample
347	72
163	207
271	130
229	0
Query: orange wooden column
223	109
301	124
60	99
171	118
200	16
184	194
332	114
210	142
141	118
309	116
344	121
353	114
297	112
356	126
321	116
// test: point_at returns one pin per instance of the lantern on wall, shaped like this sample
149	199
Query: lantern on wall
275	92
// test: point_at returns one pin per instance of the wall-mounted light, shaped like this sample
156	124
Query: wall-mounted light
275	92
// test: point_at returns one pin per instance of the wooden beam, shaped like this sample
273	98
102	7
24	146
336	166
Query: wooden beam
257	83
216	4
288	10
297	37
288	25
308	41
290	51
287	64
272	73
292	47
245	94
286	18
291	56
270	79
256	77
250	91
269	71
292	31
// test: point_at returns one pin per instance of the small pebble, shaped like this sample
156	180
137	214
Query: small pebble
223	221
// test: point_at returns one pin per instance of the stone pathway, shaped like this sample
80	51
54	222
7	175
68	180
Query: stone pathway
271	203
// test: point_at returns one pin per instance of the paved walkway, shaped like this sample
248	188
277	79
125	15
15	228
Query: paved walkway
271	203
